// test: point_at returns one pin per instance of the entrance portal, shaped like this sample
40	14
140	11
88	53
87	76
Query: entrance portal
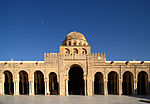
53	84
76	82
23	83
8	85
127	84
113	83
142	88
39	87
99	84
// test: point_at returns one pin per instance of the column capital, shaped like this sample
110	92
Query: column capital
85	77
66	78
120	80
105	80
1	80
46	80
15	80
135	80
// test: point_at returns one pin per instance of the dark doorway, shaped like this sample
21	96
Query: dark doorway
113	83
142	88
23	83
53	84
99	84
127	85
76	82
8	85
39	87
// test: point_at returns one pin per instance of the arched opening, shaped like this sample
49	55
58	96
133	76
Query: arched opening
127	84
69	43
23	83
80	43
99	84
113	83
53	84
67	51
74	43
39	87
75	51
76	81
142	88
8	84
84	51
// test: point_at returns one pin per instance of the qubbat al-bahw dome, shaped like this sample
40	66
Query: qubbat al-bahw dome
74	71
75	38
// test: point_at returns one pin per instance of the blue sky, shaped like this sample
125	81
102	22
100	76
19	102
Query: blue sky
120	28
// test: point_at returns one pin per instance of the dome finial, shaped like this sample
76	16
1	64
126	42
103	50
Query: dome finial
75	30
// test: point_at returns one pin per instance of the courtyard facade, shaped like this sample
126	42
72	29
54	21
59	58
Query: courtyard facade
74	71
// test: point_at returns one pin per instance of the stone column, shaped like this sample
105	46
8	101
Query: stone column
31	86
135	86
148	86
16	86
90	86
120	86
85	85
46	86
66	84
45	83
105	87
2	83
1	87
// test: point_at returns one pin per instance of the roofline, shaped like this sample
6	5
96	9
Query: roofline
21	61
128	61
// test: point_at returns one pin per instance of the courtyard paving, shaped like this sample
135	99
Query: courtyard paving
98	99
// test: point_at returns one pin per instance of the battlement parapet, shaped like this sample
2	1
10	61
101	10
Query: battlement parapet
51	57
98	57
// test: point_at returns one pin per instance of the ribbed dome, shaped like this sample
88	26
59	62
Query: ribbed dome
75	35
75	39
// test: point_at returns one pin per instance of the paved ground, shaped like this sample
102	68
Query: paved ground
111	99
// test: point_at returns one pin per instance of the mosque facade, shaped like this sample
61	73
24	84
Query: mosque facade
74	71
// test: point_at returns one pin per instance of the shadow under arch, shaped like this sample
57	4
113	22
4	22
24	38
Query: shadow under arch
39	87
98	84
128	83
113	83
8	84
76	81
142	85
23	83
53	84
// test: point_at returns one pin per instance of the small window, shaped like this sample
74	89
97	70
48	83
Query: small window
69	43
67	51
84	51
75	51
74	43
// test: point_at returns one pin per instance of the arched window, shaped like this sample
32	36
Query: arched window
74	43
67	51
69	43
84	51
75	51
